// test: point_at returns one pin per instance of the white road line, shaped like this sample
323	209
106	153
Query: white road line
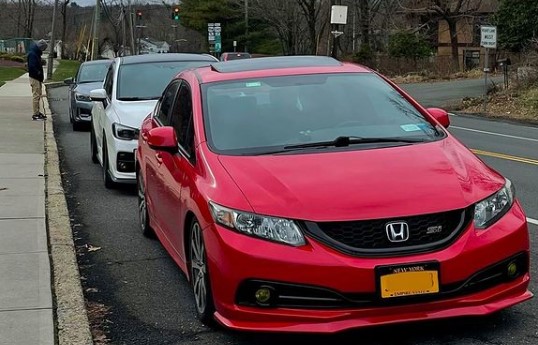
496	134
532	221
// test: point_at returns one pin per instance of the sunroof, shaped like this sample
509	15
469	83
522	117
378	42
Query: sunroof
274	63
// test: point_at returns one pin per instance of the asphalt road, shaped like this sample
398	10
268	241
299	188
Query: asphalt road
446	92
149	301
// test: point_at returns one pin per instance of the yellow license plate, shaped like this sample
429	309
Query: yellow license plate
409	284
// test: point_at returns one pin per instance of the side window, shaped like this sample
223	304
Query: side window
165	106
107	85
182	120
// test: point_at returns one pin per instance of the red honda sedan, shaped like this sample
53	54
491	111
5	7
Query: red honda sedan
302	194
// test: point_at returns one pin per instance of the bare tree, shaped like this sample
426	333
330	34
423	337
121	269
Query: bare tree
313	13
24	16
451	11
63	10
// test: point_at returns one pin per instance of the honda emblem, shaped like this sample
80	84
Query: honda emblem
397	231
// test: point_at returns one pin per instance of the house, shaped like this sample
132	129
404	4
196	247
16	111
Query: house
150	46
469	35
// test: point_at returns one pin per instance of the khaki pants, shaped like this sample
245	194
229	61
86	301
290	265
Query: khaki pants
36	94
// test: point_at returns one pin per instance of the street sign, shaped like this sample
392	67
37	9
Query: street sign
213	36
488	36
338	14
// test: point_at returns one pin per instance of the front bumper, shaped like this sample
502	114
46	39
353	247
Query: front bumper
121	159
234	258
83	111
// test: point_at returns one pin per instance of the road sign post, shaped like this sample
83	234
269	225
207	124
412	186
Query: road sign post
488	40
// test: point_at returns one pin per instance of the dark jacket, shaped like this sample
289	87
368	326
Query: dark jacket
35	67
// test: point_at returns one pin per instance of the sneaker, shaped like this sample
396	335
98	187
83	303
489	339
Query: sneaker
42	115
39	117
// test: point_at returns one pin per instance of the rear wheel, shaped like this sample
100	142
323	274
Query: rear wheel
201	285
143	215
77	126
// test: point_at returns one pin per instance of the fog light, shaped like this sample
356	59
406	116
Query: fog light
512	269
263	295
122	166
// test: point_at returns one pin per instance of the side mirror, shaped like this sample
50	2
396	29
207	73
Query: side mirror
69	81
98	95
440	115
162	139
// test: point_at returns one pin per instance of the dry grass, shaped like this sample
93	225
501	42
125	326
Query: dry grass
518	105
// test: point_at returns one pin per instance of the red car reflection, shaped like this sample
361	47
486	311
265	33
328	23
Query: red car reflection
301	194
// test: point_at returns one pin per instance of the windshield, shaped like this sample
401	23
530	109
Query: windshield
147	80
237	56
92	73
264	115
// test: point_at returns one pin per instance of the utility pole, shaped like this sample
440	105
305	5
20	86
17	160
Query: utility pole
52	43
131	29
95	45
246	26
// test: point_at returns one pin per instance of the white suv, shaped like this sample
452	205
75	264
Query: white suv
130	91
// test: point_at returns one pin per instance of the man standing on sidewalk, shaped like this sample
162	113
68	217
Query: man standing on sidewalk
35	71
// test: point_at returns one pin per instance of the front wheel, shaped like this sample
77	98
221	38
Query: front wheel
200	276
107	179
143	215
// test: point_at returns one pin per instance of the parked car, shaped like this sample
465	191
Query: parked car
228	56
302	194
90	75
132	86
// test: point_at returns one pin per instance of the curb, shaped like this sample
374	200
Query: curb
54	84
72	323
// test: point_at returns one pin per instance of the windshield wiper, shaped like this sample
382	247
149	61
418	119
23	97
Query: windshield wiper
136	98
344	141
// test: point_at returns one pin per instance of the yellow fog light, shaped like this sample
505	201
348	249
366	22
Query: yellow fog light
263	295
511	269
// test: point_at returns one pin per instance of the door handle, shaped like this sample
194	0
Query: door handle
159	158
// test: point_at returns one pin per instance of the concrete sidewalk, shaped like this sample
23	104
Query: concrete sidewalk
29	311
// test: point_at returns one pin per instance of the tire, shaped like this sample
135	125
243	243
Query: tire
143	214
93	147
109	184
77	126
200	282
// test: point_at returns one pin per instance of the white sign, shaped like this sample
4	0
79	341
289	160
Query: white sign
339	14
488	37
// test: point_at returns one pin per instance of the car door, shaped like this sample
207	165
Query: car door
177	169
99	110
154	159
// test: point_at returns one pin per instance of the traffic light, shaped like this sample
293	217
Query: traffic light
175	14
138	14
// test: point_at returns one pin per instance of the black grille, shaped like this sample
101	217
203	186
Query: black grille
426	232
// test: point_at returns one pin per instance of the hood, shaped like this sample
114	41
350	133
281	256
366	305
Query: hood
35	49
364	184
133	113
85	88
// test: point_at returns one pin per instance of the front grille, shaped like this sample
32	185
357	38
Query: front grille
369	237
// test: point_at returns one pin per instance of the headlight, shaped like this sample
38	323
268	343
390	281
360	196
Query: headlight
83	98
124	132
269	228
489	210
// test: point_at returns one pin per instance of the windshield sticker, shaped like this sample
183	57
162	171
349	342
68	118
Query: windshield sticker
410	128
254	84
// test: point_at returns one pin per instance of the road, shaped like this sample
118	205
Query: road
447	92
149	300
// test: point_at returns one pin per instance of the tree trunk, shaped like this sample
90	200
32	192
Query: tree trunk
365	23
452	27
64	25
